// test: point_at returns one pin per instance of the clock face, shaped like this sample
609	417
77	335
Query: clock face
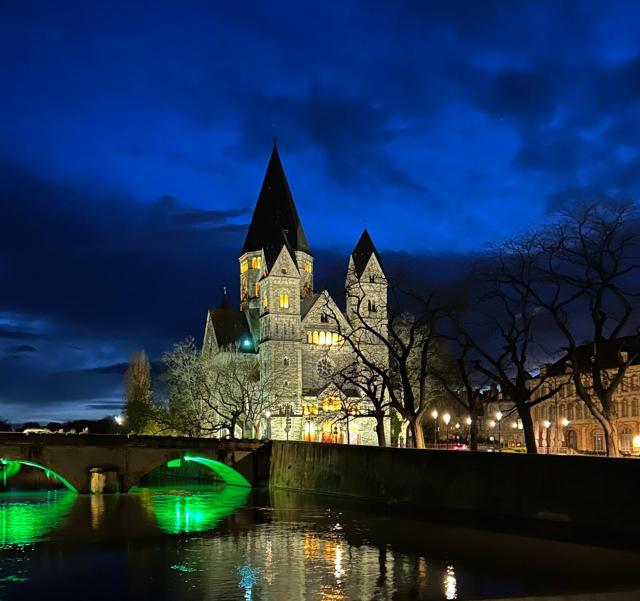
325	368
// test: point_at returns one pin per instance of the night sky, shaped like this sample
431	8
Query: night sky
134	137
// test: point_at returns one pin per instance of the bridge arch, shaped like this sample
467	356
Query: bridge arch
47	470
226	473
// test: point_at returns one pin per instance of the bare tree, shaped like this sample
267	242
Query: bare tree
587	282
503	331
406	340
138	403
355	376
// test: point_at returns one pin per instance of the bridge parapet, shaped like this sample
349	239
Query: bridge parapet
132	457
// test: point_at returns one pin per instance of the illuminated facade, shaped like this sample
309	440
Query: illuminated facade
298	333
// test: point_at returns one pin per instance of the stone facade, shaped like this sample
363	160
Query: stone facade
299	334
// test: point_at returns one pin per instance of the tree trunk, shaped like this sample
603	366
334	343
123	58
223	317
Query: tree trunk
527	427
473	435
382	442
417	433
611	442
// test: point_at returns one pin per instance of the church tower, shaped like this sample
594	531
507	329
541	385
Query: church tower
276	273
366	288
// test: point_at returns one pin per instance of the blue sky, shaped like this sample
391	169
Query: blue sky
134	137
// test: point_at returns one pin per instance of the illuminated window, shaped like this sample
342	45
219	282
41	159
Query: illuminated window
335	338
256	262
284	301
244	266
316	338
307	266
322	338
257	290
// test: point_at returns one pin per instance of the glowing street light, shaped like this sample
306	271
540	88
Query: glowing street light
119	419
434	415
636	444
446	418
499	418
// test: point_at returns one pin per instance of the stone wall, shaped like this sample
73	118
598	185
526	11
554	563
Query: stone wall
580	493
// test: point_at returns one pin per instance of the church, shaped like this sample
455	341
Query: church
297	332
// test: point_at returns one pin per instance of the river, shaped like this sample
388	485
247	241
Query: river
215	542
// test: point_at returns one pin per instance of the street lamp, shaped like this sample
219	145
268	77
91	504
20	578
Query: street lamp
446	418
499	418
434	415
267	414
547	424
564	422
468	421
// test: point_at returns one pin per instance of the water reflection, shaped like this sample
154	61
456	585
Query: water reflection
223	543
196	509
27	518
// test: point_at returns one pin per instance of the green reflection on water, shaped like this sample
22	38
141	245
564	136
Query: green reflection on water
27	518
195	509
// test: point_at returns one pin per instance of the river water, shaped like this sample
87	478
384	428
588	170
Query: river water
216	542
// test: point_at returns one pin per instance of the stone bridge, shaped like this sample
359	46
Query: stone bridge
108	463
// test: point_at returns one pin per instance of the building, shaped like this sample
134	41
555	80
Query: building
297	332
565	423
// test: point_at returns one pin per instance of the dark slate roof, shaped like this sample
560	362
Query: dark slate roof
308	302
231	328
628	344
363	251
275	222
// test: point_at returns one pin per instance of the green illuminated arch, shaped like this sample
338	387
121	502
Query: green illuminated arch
228	474
49	472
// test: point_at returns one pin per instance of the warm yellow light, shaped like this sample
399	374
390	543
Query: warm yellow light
514	425
492	424
468	421
446	418
256	262
244	266
636	441
546	423
498	415
565	422
434	414
284	301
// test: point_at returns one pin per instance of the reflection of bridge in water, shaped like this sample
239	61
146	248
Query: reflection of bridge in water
105	463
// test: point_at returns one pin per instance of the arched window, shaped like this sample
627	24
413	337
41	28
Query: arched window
257	290
324	318
256	262
321	340
634	407
285	361
626	440
316	338
244	266
572	439
372	306
335	338
624	409
598	441
264	301
284	301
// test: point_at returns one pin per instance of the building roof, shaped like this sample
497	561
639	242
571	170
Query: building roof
609	354
275	222
231	329
363	251
307	303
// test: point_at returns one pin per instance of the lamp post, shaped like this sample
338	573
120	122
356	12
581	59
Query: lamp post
267	415
446	418
547	424
434	415
499	419
565	423
468	421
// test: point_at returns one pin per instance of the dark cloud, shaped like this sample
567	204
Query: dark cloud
11	333
22	348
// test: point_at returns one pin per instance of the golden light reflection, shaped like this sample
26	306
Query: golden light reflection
450	583
97	511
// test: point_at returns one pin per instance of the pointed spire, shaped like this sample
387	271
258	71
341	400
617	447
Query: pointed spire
275	222
224	303
363	251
